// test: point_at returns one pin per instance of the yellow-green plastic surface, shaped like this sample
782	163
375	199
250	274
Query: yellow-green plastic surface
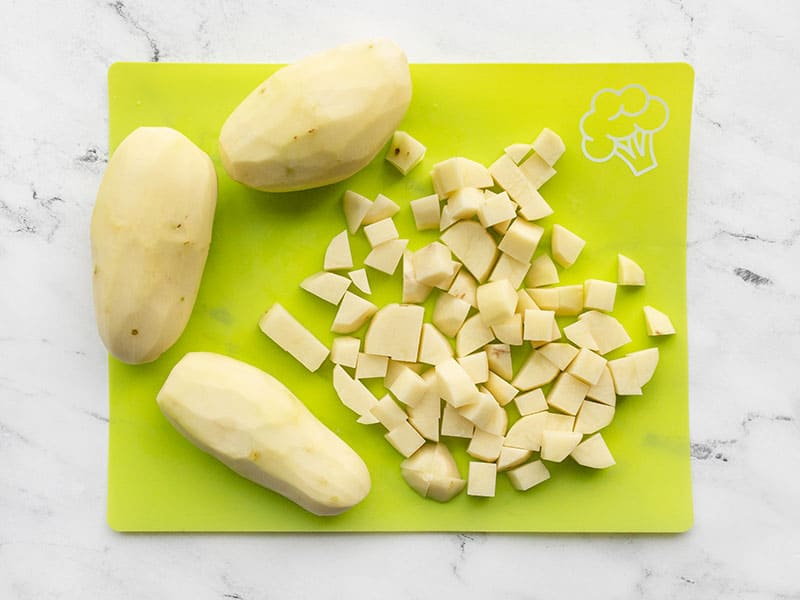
264	245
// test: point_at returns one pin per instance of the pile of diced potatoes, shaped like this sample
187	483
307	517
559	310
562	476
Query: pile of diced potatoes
453	376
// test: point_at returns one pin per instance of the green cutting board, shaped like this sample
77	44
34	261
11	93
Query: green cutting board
264	245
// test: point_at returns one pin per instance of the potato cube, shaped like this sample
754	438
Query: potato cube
593	453
536	171
531	402
328	286
497	301
485	446
542	272
446	219
382	208
291	336
587	366
545	298
526	433
521	239
454	425
606	330
464	203
509	331
413	290
473	246
559	422
386	256
360	280
432	263
430	406
380	232
495	208
355	208
395	332
472	335
405	439
565	246
593	416
337	254
580	334
449	314
535	372
345	350
567	393
599	294
511	269
465	288
549	146
646	363
538	325
499	358
626	380
657	322
447	281
559	353
371	366
426	211
354	395
481	479
389	413
603	391
434	347
525	302
427	427
458	172
408	387
557	445
502	391
405	152
518	152
511	178
628	272
570	300
477	366
511	457
455	384
486	414
528	475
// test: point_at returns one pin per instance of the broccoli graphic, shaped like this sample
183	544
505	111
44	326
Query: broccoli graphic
622	123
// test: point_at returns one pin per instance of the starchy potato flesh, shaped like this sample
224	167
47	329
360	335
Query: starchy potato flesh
427	427
449	314
353	394
395	332
511	457
254	425
502	226
405	152
405	439
383	208
560	354
587	366
518	152
580	334
570	300
646	363
432	263
599	294
483	412
370	366
454	425
355	208
565	246
545	298
497	301
477	366
359	279
455	384
464	287
542	272
485	446
408	387
558	422
521	239
464	202
481	479
413	290
499	358
549	146
472	335
495	208
629	272
446	219
510	269
434	347
511	178
453	270
473	246
430	406
593	416
531	402
557	445
426	211
536	170
526	433
497	422
433	473
606	330
337	255
509	331
386	257
458	172
353	312
388	413
502	391
657	322
626	380
286	331
603	391
380	232
593	452
528	475
525	302
535	372
567	393
538	325
344	351
327	286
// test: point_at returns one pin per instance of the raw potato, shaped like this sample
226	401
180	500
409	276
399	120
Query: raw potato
518	152
354	395
464	203
536	171
525	477
557	445
456	173
286	331
535	372
319	120
511	457
521	239
432	472
626	379
434	347
337	254
386	256
383	208
353	312
413	290
657	322
395	332
549	146
150	234
370	366
381	231
646	363
473	246
559	353
629	272
593	453
344	351
511	178
405	439
593	416
359	279
427	212
389	413
565	246
355	208
432	264
328	286
253	424
405	152
482	479
542	272
449	314
497	302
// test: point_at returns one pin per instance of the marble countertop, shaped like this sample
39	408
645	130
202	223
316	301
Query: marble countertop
743	296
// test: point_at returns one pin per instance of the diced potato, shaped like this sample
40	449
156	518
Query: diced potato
465	287
495	208
606	330
427	427
559	353
587	366
525	302
286	331
509	331
545	298
511	178
382	208
525	477
549	146
381	231
482	479
344	351
526	433
502	226
521	239
386	257
359	279
531	402
603	391
456	173
499	359
426	211
477	366
657	322
408	387
559	422
485	413
430	406
464	203
433	473
472	335
432	264
593	416
454	425
497	301
593	453
629	272
535	372
434	347
337	254
445	283
413	290
570	300
473	246
565	246
580	334
567	393
395	332
626	380
502	391
542	272
510	269
511	457
356	207
557	445
599	294
328	286
449	314
354	395
518	152
646	363
389	413
405	152
536	171
405	439
396	368
485	446
446	219
538	325
370	366
455	384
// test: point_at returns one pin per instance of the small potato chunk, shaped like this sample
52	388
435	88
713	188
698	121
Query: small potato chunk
286	331
545	298
380	232
455	384
593	416
432	264
511	178
359	279
446	219
606	330
344	351
525	302
354	395
536	171
509	268
538	325
454	425
449	314
413	290
518	152
432	472
481	479
464	203
328	286
565	246
473	246
337	254
434	347
370	366
628	272
395	332
408	387
509	331
405	152
549	146
593	453
567	393
497	302
499	358
646	363
511	457
502	391
570	300
386	256
472	335
603	391
525	477
486	414
495	208
356	208
535	372
464	287
599	294
382	208
526	433
542	272
456	173
485	446
657	322
477	366
626	380
587	366
405	439
580	334
557	445
559	353
389	413
427	212
531	402
521	239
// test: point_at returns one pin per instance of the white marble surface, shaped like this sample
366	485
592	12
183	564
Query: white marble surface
744	291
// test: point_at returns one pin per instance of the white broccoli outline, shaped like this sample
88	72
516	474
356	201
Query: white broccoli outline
634	148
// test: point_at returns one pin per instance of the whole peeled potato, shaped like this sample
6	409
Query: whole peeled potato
150	234
318	121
